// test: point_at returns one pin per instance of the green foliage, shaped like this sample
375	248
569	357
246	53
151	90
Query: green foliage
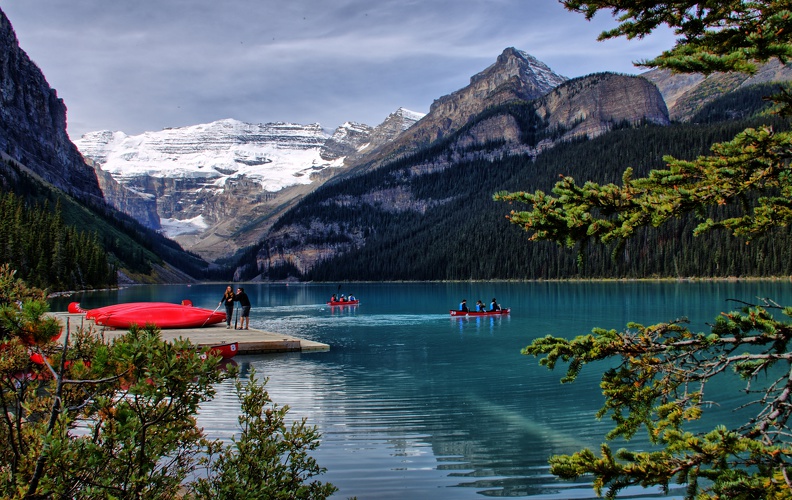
87	419
723	36
743	187
269	460
658	386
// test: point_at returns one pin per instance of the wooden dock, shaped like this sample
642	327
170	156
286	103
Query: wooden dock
250	341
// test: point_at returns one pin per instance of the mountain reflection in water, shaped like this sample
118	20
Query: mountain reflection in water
412	403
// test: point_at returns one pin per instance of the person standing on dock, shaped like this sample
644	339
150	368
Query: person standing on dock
244	301
228	300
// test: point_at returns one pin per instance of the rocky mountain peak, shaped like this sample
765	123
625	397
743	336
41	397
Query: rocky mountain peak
352	140
528	75
346	140
515	75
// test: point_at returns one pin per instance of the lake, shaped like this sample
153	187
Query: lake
412	403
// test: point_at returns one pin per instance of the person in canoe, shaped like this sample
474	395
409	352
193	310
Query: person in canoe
228	301
244	301
334	298
494	305
351	298
463	306
480	307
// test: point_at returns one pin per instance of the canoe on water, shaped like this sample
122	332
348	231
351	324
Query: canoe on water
502	312
163	315
343	303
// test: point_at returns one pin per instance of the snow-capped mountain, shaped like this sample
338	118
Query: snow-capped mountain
274	155
353	140
203	184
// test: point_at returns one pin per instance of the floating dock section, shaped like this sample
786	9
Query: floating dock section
251	341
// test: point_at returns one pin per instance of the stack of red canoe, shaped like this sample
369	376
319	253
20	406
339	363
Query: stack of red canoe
163	315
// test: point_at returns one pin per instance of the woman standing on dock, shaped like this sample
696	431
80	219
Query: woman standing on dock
228	300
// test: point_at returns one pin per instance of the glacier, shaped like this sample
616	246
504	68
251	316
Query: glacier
275	155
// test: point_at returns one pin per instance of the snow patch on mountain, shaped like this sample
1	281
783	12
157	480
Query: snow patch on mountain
540	72
175	227
409	117
275	155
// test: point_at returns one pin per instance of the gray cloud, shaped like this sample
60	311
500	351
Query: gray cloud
145	65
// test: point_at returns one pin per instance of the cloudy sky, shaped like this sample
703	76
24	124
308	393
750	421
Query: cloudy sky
143	65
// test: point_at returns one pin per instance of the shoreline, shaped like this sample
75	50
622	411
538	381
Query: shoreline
690	279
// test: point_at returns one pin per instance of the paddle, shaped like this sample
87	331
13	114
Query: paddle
236	316
207	318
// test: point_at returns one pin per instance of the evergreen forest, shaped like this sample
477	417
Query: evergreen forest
464	234
58	243
46	253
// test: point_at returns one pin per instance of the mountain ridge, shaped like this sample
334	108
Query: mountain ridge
227	211
202	185
326	225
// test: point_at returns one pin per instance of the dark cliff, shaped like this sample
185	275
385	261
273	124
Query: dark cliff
33	123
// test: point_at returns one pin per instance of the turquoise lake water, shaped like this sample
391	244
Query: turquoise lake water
412	403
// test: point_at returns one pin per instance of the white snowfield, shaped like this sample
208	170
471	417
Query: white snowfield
276	155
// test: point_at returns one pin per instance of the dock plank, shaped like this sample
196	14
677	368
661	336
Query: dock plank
251	341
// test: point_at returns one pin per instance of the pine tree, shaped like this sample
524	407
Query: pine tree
744	187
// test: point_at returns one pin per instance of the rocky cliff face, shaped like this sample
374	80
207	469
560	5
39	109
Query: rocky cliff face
33	123
685	94
592	105
588	107
141	206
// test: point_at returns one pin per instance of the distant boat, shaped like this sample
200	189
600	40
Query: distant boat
501	312
343	303
163	315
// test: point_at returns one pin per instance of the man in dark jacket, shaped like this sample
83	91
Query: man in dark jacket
244	301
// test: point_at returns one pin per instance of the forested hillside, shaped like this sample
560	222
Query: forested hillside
46	253
461	233
56	242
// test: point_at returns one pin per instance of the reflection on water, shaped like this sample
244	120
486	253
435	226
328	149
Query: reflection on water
412	403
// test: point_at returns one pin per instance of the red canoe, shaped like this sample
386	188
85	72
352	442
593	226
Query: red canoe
225	351
501	312
164	315
343	303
